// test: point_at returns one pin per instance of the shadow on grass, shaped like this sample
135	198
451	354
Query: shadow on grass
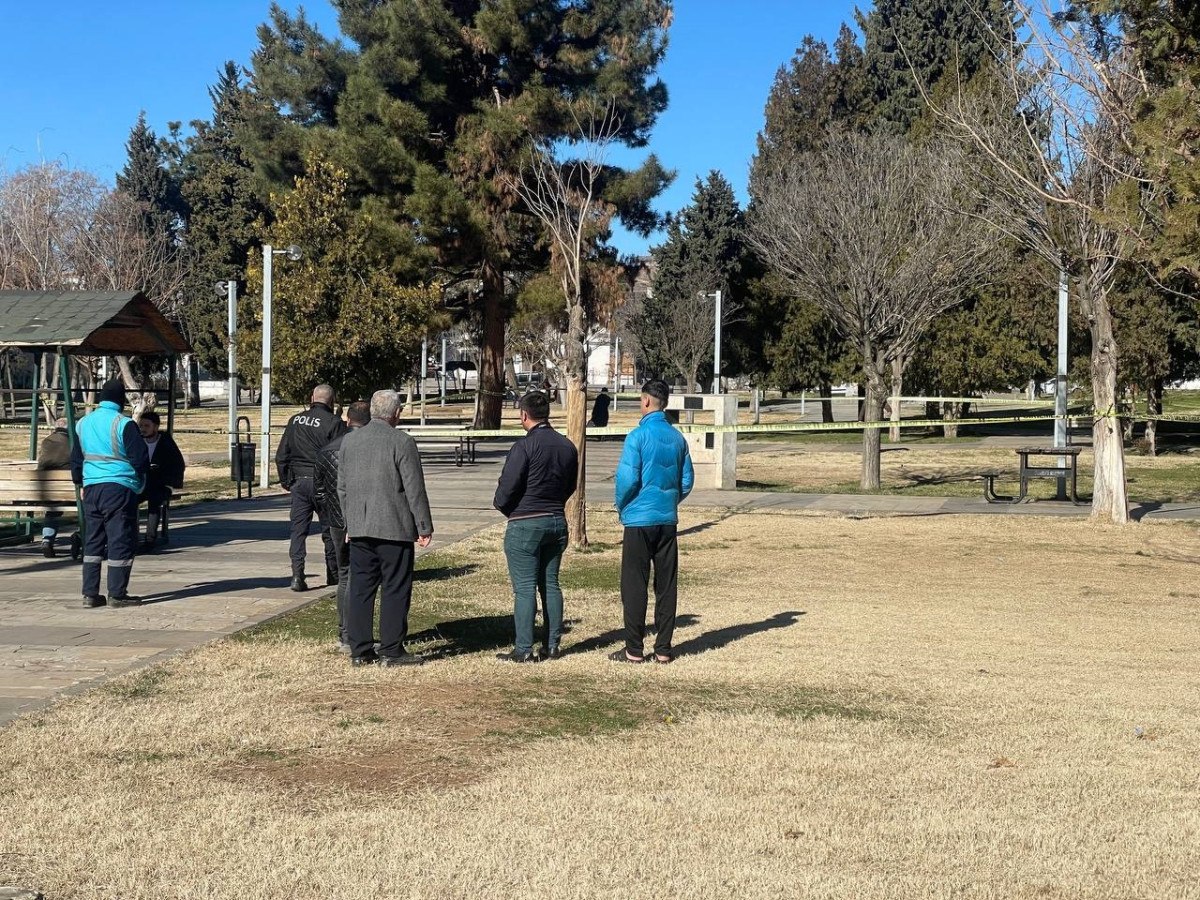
445	573
617	635
723	637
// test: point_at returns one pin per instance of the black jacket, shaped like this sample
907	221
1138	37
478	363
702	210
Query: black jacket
325	493
540	475
306	433
166	466
600	410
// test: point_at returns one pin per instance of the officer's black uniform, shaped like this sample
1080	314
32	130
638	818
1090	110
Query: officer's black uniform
306	433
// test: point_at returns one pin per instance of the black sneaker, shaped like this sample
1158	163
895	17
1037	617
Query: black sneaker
404	659
516	657
92	601
367	659
298	584
555	653
48	549
125	600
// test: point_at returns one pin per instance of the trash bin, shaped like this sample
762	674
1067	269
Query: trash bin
241	459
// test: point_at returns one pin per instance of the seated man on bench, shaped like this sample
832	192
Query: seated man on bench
166	472
54	453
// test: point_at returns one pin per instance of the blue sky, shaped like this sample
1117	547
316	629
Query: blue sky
75	73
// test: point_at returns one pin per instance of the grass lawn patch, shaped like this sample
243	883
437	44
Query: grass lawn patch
877	708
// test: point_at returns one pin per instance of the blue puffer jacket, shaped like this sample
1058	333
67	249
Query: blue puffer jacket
654	475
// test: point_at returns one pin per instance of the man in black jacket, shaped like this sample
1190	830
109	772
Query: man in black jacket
166	471
329	508
306	433
540	474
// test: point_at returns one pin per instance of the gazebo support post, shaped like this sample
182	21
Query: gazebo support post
64	377
33	405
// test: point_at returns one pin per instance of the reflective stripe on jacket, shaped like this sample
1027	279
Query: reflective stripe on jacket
106	459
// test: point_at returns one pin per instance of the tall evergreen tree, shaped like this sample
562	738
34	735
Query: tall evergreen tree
146	181
911	45
431	108
225	215
705	251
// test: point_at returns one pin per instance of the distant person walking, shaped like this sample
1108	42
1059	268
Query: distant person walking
381	489
166	472
306	433
653	477
600	408
358	414
109	461
54	453
540	474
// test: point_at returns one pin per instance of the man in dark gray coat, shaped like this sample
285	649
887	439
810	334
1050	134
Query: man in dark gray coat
381	487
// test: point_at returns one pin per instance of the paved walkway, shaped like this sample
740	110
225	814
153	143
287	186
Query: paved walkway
227	569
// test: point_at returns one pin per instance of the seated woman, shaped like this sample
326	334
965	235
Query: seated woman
166	471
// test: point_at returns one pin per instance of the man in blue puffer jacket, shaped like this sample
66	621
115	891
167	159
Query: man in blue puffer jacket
110	461
653	477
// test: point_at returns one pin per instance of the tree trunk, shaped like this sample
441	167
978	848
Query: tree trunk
897	391
193	379
950	415
826	390
872	411
139	401
576	377
490	405
7	359
510	377
1110	502
1154	394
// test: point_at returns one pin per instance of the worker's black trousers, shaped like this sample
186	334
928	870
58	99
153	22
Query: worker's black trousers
386	567
110	518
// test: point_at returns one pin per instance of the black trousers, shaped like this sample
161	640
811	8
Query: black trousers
303	509
641	547
110	512
386	567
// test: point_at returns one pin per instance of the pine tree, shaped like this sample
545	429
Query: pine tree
704	252
911	45
225	216
434	110
145	180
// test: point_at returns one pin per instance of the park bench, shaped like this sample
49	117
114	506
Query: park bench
29	492
463	444
26	491
1069	471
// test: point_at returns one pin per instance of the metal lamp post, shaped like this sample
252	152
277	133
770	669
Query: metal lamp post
293	253
229	289
716	295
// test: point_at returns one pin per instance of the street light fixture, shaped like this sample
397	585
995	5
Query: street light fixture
293	253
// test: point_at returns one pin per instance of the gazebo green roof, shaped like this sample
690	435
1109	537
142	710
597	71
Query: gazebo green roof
87	323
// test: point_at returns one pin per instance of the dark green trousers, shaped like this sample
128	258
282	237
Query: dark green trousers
534	549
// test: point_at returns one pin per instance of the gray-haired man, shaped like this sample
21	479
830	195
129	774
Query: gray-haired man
381	487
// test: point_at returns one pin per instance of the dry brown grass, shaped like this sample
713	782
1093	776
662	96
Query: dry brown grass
953	715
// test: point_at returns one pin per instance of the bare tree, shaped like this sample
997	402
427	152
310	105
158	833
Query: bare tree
869	228
565	196
1053	132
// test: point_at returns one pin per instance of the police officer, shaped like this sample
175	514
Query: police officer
306	433
110	461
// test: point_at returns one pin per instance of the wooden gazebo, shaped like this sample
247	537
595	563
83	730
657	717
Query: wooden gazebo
86	323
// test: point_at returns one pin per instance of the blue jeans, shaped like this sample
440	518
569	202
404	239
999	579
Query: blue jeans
534	549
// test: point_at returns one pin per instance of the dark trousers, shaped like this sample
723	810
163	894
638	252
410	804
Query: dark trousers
303	509
386	567
534	550
110	515
341	550
657	544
